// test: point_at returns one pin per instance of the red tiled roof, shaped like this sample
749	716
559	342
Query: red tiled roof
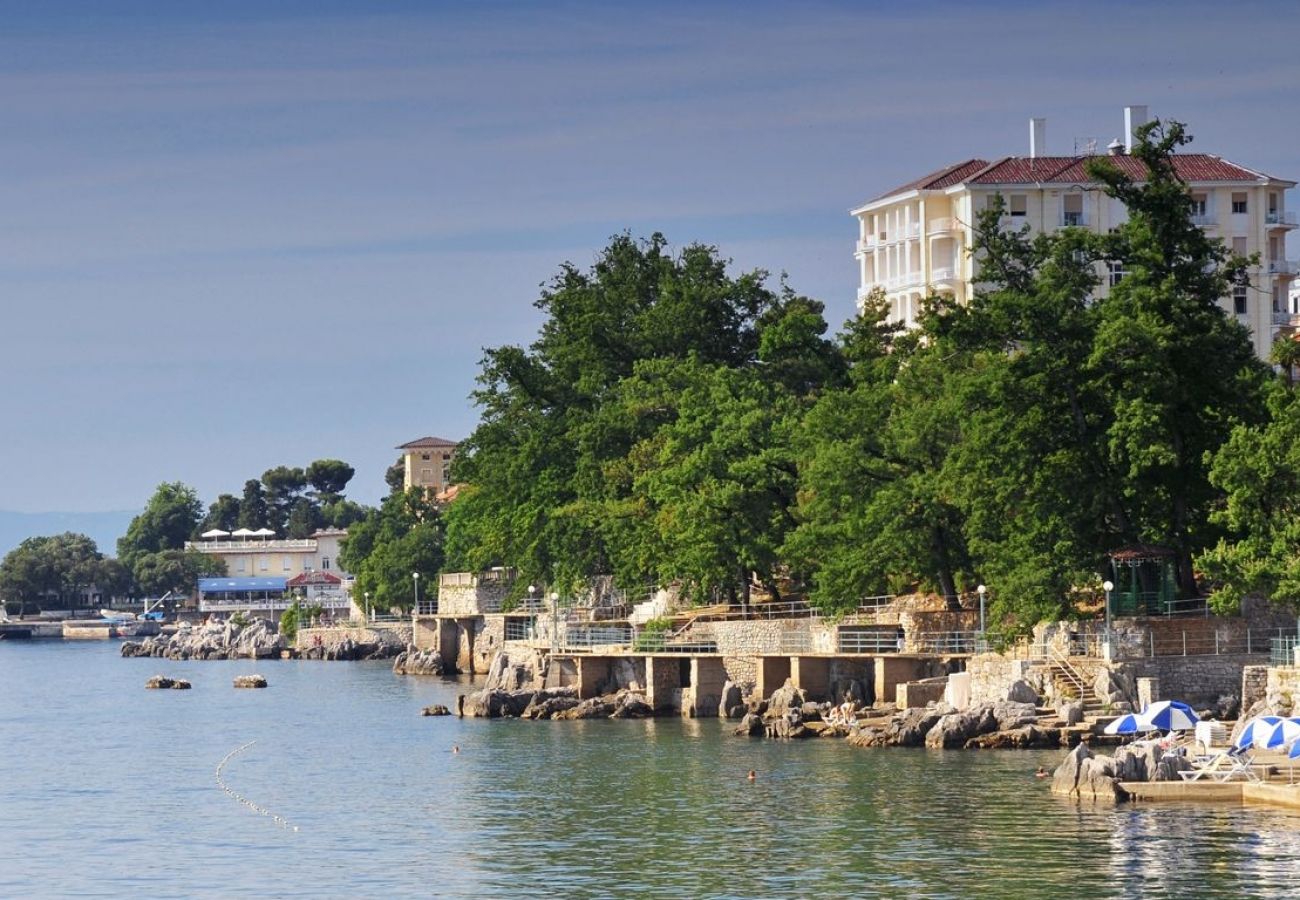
941	178
1191	167
420	443
307	578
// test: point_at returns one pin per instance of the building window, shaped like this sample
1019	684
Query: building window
1239	204
446	474
446	457
1117	272
287	562
1239	246
1199	205
324	563
263	563
1072	210
1018	205
241	566
1239	299
426	474
426	456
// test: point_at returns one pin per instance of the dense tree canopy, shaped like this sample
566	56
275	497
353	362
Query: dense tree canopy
386	548
54	573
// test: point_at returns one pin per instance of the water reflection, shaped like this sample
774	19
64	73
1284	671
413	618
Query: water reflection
595	808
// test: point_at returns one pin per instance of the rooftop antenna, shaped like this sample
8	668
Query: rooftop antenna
1085	146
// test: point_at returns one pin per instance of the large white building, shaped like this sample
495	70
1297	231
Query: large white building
915	240
264	575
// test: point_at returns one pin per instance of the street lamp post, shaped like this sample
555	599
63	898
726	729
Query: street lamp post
555	619
416	577
981	590
369	614
532	611
1108	586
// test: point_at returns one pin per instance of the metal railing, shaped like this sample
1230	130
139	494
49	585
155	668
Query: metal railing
1282	651
1073	220
867	642
946	273
1285	319
519	630
942	226
427	607
1283	266
1203	220
216	545
1274	217
945	642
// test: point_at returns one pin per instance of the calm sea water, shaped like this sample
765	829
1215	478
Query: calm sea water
108	789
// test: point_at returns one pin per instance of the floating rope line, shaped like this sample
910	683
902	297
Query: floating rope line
262	810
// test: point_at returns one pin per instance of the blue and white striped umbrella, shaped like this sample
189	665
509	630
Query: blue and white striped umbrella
1170	715
1128	724
1284	732
1256	731
1295	750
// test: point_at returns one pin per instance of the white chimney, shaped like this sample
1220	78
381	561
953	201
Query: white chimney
1133	117
1037	138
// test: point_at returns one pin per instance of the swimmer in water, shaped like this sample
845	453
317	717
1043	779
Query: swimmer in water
753	776
455	748
1041	773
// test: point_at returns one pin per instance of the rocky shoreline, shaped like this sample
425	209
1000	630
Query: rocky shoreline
226	640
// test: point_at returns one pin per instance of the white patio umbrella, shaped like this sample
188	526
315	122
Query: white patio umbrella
1256	730
1128	724
1284	732
264	533
243	532
1170	715
215	533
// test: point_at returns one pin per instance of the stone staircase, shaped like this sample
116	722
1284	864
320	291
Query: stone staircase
1069	681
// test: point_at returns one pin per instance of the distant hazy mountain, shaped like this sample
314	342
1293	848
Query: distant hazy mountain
102	527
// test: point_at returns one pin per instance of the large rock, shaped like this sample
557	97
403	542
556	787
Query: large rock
418	662
1087	777
515	670
250	681
731	705
549	703
1009	714
909	728
216	640
1021	691
784	698
159	682
436	710
632	706
1070	712
955	729
1026	737
788	725
751	725
594	708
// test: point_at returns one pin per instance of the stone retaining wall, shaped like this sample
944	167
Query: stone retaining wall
1282	690
393	633
1197	680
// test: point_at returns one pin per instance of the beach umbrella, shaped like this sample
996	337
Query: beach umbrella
1170	715
1256	730
215	533
1284	732
243	532
1128	724
1295	750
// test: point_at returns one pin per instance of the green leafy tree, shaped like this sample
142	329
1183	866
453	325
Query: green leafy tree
168	521
328	478
252	507
177	571
223	513
55	572
283	487
395	476
402	537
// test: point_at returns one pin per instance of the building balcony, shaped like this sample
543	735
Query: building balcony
870	242
1203	220
943	275
1283	267
906	233
938	227
244	546
1283	319
1275	219
1073	220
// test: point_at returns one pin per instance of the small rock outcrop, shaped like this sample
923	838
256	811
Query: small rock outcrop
1021	691
217	640
180	684
1087	777
159	682
732	703
418	662
1070	712
436	709
347	648
750	726
250	681
784	698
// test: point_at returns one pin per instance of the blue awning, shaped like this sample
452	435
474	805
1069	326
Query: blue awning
235	585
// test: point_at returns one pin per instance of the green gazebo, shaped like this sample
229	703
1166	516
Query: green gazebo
1145	578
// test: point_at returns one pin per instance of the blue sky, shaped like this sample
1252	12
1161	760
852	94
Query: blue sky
238	235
